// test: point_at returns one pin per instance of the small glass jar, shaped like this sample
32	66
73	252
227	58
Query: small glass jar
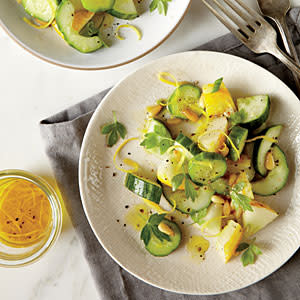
16	256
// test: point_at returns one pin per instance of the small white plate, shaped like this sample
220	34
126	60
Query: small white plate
105	196
47	45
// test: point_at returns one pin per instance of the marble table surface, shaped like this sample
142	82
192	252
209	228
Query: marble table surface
32	90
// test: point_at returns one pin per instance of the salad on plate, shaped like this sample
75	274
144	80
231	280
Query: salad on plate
218	162
83	23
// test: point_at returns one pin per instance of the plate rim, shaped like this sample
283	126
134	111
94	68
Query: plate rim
81	169
73	67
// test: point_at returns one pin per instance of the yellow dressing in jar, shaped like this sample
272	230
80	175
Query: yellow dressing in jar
25	213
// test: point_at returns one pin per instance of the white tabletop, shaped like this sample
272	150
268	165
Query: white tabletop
32	90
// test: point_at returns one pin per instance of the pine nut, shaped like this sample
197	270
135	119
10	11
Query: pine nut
174	121
232	179
269	162
164	228
192	116
217	199
226	209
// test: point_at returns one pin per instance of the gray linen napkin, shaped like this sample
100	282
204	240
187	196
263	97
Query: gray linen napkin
63	135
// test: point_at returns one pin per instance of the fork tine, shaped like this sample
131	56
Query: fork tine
251	12
233	18
237	34
238	11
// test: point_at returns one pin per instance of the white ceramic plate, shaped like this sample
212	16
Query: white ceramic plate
46	44
104	196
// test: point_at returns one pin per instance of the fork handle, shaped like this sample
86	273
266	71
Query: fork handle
285	59
289	46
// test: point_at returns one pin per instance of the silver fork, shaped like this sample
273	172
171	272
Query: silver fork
250	28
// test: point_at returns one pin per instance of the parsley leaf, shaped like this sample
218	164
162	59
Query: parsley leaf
114	131
146	234
217	85
190	191
177	181
241	247
240	200
250	253
158	138
160	5
198	216
238	117
152	227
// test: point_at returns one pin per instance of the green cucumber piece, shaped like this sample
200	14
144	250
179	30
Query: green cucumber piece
206	167
188	206
98	5
276	178
257	109
184	96
220	186
143	187
124	9
64	20
238	135
157	247
262	146
40	9
187	143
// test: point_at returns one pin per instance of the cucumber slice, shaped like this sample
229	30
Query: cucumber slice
40	9
98	5
143	187
257	109
157	247
187	206
207	167
188	144
185	96
64	20
158	127
220	186
261	148
124	9
238	135
276	179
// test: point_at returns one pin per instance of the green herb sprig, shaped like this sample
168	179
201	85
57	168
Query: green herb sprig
114	131
160	5
189	189
251	253
217	85
238	199
157	138
152	226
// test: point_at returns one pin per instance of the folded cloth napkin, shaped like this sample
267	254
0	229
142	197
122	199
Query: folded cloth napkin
63	134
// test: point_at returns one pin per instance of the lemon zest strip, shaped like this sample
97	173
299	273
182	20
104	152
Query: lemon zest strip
162	77
139	34
158	208
29	22
269	139
182	158
127	161
54	26
222	132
